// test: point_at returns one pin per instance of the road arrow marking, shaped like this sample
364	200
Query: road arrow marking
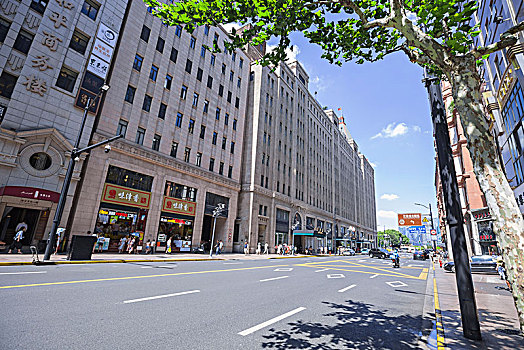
270	322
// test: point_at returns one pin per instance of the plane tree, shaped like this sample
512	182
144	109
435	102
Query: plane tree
436	34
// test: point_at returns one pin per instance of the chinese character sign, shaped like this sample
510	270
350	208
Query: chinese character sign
126	196
178	206
411	219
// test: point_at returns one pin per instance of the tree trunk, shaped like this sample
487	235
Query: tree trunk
508	223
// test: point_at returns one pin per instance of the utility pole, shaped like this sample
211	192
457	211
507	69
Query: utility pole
466	294
216	212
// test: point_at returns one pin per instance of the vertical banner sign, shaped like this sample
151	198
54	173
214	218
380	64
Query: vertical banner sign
97	66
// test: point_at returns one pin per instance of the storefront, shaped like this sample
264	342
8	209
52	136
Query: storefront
176	223
486	236
282	227
124	207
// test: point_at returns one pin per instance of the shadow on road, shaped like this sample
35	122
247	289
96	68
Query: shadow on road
354	325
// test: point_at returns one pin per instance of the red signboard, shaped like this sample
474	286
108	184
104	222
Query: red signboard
412	219
126	196
178	206
30	192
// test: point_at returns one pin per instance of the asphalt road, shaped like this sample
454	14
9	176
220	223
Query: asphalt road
306	303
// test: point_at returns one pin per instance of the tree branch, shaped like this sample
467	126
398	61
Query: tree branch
381	22
508	38
415	56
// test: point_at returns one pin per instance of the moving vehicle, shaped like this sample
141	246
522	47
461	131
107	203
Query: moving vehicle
349	252
421	255
365	251
378	253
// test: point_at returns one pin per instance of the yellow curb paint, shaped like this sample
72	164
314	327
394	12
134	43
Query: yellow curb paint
441	341
135	277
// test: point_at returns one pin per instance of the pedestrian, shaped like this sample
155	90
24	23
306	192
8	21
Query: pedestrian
153	247
122	245
100	243
168	246
59	236
131	245
266	248
17	240
259	248
220	246
20	225
246	248
148	247
217	248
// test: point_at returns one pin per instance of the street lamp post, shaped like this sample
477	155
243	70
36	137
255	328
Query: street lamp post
75	153
216	212
432	227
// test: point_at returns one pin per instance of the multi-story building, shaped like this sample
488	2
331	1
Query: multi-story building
304	181
53	54
477	220
504	97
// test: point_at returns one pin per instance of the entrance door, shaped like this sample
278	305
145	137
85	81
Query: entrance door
207	226
12	217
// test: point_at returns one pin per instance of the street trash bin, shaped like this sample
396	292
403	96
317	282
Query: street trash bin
81	247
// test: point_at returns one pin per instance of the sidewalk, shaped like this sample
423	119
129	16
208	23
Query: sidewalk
497	314
27	259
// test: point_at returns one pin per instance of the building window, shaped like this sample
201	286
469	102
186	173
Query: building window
224	141
178	30
174	55
241	63
199	74
90	9
198	159
167	82
140	133
144	35
156	142
229	96
237	102
221	90
160	44
178	121
187	154
39	5
234	124
223	68
192	42
66	79
122	127
214	140
206	106
195	100
213	58
79	42
183	92
232	147
209	81
262	180
203	51
230	172
189	65
206	29
130	94
221	168
226	119
174	149
146	105
137	64
215	38
231	76
234	56
153	73
218	113
239	82
211	164
251	76
191	126
4	29
23	42
202	131
162	111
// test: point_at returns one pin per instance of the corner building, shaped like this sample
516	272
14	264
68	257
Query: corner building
304	181
182	111
46	48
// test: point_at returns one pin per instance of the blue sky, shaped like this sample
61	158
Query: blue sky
386	109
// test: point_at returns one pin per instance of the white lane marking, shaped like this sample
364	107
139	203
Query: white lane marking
274	278
284	269
347	288
375	275
232	263
21	273
362	260
396	284
271	321
336	275
321	270
161	296
167	266
146	267
411	265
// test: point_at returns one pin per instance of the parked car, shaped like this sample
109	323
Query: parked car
349	252
421	255
378	253
364	251
449	266
478	264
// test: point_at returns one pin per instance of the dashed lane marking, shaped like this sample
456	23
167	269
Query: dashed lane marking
375	275
284	269
274	278
270	322
322	270
336	275
21	272
160	296
347	288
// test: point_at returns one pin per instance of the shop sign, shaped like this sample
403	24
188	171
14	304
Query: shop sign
97	66
107	34
29	192
162	237
102	50
176	221
482	214
126	196
178	206
487	237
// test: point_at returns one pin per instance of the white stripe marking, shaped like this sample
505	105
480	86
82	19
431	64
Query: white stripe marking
275	278
146	267
347	288
167	266
362	260
270	322
232	263
21	273
161	296
321	270
374	276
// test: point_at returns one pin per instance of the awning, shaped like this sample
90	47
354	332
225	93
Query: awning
308	233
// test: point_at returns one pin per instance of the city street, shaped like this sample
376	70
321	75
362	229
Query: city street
304	303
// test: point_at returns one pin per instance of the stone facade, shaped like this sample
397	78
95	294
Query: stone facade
42	63
178	143
304	181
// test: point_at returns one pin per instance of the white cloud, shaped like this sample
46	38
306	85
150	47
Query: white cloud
292	52
229	26
317	84
417	128
389	197
392	130
374	165
387	214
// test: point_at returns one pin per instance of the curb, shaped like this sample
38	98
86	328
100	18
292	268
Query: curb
441	340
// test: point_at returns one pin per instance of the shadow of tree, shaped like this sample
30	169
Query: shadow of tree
354	325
